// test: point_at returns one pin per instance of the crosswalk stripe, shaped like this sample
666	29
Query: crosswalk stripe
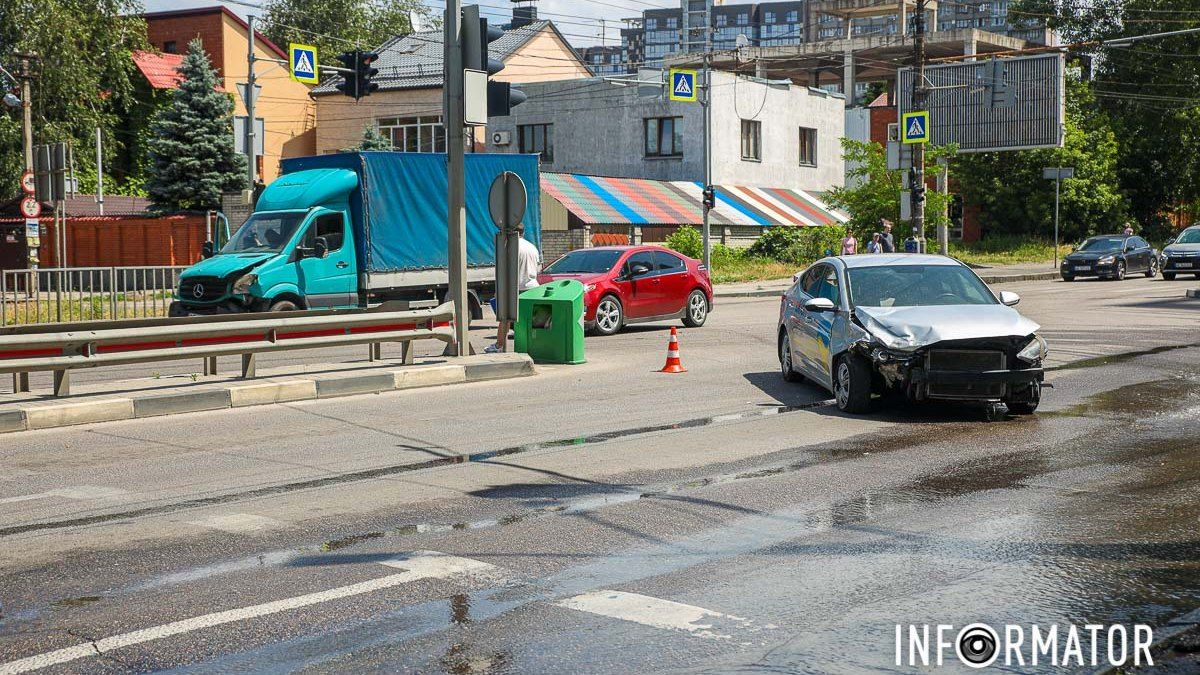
657	613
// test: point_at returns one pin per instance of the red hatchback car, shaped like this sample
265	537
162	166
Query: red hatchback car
634	284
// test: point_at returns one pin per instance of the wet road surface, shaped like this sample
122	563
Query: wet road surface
754	530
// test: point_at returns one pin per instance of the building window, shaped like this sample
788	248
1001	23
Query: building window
169	47
808	147
664	136
743	19
768	17
672	22
537	138
752	140
651	24
414	134
722	20
793	16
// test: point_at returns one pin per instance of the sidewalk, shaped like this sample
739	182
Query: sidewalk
999	274
151	397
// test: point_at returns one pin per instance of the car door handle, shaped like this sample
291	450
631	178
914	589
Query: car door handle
342	265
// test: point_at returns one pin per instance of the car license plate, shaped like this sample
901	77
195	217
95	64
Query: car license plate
1083	268
1182	264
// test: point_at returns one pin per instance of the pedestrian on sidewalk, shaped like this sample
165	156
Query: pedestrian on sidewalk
529	264
889	244
876	243
849	244
1128	229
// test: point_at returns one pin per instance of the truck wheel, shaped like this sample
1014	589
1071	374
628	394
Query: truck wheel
284	306
696	311
852	384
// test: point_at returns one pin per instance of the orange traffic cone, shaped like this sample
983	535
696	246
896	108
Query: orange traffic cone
673	365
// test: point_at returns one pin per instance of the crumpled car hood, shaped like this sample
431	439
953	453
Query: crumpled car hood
908	328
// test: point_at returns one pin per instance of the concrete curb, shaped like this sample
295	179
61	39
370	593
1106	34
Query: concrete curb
51	416
1193	293
992	279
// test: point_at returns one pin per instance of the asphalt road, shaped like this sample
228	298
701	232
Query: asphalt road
608	518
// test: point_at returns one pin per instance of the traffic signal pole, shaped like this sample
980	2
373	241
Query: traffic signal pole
919	94
251	168
455	174
706	229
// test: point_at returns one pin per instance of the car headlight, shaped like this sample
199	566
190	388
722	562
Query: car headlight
243	284
1108	259
1035	351
588	288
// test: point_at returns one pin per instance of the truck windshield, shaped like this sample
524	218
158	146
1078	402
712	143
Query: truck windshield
264	233
916	285
584	262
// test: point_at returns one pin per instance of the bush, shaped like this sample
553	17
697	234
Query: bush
686	240
798	245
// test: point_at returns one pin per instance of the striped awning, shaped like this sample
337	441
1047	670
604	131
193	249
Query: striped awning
638	201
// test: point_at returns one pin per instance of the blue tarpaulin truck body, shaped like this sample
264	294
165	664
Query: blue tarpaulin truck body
354	230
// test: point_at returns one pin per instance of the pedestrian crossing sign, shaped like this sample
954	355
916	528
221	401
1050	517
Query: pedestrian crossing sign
914	127
303	63
683	85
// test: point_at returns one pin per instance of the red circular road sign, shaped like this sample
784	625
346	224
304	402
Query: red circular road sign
30	207
28	182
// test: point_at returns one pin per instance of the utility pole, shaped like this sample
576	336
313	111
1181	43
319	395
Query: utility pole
943	188
251	167
919	94
689	32
99	171
456	210
26	75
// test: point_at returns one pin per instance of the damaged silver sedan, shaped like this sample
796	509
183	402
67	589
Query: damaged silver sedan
921	327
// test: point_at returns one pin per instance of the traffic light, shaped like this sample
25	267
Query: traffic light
358	82
710	197
918	193
476	35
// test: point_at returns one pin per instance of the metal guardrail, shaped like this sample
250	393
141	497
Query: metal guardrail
64	294
36	348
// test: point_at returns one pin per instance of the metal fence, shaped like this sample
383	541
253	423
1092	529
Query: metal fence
66	294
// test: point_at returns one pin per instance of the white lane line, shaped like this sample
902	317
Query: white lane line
78	492
657	613
238	523
417	565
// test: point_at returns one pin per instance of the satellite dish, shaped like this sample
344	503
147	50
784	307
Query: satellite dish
742	41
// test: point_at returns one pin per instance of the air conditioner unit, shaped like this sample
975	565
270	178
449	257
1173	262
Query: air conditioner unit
893	132
501	137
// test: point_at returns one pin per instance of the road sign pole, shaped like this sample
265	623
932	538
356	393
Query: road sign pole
455	175
1057	190
251	168
706	229
27	110
918	103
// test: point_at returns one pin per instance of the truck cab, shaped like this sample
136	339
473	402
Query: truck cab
296	251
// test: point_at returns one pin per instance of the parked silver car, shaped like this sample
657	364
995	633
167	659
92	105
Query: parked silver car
921	326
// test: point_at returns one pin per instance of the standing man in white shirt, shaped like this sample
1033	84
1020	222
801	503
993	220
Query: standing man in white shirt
529	264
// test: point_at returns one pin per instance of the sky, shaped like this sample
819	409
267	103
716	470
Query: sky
579	20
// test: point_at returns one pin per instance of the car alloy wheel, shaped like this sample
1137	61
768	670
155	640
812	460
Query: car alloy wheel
1153	271
608	315
841	387
697	310
1120	270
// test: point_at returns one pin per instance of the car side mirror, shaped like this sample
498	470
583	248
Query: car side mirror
638	271
1170	241
320	247
1009	298
207	250
819	305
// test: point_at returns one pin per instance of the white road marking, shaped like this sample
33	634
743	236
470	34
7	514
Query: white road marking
654	612
416	566
238	523
78	492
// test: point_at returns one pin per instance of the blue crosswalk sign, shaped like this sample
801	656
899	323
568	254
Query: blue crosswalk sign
683	85
303	63
914	127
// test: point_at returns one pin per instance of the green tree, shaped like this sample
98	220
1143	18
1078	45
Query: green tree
84	76
371	140
191	149
334	26
873	191
1015	199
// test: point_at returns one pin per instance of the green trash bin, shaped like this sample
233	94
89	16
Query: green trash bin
550	322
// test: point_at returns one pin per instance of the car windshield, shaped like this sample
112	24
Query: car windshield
264	233
1189	236
584	262
1103	244
916	285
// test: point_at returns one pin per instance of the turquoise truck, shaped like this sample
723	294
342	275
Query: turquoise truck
354	230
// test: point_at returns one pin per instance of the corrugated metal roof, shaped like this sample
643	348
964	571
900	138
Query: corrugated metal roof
639	201
160	70
415	61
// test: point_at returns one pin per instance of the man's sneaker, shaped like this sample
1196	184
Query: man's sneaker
492	349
